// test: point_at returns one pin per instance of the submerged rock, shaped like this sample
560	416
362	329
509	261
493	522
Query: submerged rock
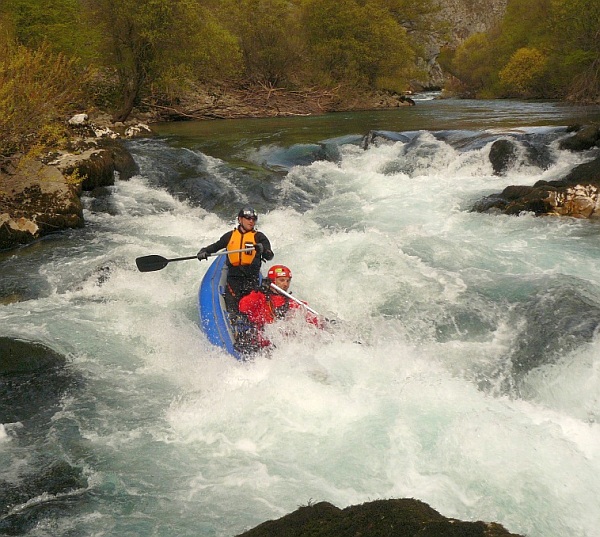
19	356
380	518
33	381
40	498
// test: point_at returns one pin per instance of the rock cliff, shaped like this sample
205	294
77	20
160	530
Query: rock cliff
464	18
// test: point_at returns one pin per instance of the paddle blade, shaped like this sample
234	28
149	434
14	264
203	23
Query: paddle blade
150	263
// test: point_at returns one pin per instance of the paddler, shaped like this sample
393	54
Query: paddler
243	267
266	305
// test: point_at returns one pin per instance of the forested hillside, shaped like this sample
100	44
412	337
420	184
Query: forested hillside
540	49
60	56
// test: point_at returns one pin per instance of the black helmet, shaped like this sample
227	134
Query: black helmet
248	212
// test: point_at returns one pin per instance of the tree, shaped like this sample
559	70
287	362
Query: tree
38	89
472	64
60	24
575	31
356	43
525	24
524	74
269	38
541	48
147	43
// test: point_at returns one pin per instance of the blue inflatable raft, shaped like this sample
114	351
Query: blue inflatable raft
214	318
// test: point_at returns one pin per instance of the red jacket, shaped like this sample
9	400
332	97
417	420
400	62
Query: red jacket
262	309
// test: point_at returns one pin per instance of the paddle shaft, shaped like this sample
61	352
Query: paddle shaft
285	293
151	263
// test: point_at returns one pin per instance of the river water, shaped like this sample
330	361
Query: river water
464	369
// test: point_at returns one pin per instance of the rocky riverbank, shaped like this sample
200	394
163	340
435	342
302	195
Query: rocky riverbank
39	196
42	196
576	195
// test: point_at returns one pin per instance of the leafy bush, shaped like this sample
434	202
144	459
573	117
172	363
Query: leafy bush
524	74
37	91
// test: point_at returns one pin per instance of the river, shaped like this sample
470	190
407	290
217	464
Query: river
463	370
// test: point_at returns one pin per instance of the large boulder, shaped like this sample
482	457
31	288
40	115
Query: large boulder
576	195
96	163
380	518
38	197
19	356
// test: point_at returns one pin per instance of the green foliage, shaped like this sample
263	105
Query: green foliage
524	24
268	34
524	73
356	43
60	24
575	28
38	89
542	48
472	66
150	44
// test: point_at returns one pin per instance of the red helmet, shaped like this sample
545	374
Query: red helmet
279	270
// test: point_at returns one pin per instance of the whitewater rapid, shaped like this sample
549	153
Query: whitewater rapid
461	370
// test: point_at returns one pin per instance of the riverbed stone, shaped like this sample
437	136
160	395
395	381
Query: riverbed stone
583	138
503	155
35	200
20	356
379	518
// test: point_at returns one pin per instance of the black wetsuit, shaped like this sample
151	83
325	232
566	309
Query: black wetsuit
241	279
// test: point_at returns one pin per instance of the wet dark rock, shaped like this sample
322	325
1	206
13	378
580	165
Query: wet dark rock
503	155
33	381
576	195
583	139
58	482
125	165
588	173
380	518
99	164
19	356
507	153
33	378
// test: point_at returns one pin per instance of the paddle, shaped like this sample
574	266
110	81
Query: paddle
150	263
285	293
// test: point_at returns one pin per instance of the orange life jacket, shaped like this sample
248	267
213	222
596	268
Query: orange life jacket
238	241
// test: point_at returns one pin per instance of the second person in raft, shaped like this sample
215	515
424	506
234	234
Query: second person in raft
243	267
266	305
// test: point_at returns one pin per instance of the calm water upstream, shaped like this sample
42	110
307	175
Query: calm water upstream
464	370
